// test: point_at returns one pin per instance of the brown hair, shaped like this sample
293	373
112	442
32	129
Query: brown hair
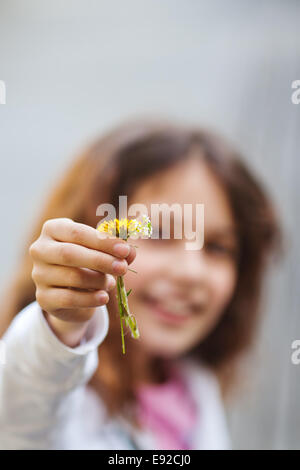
113	166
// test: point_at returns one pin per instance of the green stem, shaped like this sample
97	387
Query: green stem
124	310
122	334
121	315
129	269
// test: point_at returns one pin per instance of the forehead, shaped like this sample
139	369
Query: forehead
189	182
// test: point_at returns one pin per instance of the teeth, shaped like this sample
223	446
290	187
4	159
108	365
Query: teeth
175	308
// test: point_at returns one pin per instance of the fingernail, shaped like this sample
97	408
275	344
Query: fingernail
121	249
118	267
103	297
111	283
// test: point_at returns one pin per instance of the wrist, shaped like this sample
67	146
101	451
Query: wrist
69	333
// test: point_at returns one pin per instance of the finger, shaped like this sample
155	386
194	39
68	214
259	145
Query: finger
69	254
66	230
53	299
62	276
131	257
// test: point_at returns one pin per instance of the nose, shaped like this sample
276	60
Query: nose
188	268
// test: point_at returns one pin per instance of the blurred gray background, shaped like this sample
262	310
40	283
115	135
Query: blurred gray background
74	68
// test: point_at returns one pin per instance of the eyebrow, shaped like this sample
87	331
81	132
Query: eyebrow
224	232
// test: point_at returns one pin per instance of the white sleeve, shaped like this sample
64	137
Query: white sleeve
41	378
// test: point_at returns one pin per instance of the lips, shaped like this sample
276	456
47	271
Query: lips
173	312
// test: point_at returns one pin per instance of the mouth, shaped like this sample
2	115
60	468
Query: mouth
170	312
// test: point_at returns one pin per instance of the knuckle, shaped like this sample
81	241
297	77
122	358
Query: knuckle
65	253
66	298
40	297
99	263
77	277
47	225
75	233
91	299
66	220
33	250
35	274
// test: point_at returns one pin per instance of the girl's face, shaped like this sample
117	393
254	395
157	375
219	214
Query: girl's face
179	295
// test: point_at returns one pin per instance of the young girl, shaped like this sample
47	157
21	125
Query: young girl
197	311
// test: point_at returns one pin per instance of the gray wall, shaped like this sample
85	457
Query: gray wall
73	68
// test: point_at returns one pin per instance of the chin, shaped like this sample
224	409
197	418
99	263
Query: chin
156	343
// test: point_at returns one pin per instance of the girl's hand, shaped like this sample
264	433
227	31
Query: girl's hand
73	270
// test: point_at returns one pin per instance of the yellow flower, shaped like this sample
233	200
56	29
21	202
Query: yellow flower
124	228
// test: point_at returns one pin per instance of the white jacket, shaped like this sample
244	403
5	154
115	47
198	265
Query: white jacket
46	404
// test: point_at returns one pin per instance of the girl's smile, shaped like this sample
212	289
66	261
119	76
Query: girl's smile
169	311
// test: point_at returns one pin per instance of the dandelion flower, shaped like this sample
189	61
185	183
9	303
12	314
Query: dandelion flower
125	228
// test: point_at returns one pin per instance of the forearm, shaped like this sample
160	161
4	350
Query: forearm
40	379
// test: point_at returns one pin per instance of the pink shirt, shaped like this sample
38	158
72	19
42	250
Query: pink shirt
169	412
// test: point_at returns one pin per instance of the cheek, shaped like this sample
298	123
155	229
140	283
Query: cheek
146	264
222	283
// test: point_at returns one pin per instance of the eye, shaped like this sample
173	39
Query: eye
158	232
220	249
